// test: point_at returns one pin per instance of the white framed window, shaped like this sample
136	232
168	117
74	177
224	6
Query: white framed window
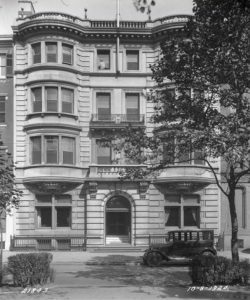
6	65
36	94
36	53
67	96
67	54
51	52
3	65
103	59
103	154
103	106
132	106
3	108
132	60
51	99
182	211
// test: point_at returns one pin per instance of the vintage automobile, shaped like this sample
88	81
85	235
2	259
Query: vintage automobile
180	243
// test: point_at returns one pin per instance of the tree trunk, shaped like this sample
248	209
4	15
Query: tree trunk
234	223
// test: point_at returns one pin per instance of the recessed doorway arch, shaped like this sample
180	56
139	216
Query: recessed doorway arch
118	220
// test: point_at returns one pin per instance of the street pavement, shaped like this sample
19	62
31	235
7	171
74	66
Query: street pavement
120	276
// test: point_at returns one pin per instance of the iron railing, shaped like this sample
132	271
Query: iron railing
117	118
48	243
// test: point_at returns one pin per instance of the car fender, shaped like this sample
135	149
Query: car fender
213	251
155	250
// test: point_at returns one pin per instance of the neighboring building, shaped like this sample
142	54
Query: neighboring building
71	88
6	99
242	203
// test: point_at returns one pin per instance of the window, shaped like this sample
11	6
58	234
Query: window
67	54
68	150
36	53
37	99
103	59
2	109
53	211
44	217
53	149
103	154
51	98
132	59
103	106
51	52
182	211
132	107
67	100
174	152
46	99
51	146
3	65
36	150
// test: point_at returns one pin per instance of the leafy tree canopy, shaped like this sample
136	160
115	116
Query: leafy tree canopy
9	194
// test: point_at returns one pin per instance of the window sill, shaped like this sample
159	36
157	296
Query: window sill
44	114
53	165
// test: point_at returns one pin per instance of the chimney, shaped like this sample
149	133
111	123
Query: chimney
25	8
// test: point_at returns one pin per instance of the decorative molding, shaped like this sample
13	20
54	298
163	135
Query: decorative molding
143	187
184	186
92	187
51	187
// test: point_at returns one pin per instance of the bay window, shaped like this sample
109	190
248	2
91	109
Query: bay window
52	149
51	94
36	149
52	99
36	53
37	99
51	52
67	54
68	150
67	100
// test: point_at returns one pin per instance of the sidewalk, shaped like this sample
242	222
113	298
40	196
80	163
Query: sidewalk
77	257
83	257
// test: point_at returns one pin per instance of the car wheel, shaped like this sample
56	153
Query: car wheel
154	259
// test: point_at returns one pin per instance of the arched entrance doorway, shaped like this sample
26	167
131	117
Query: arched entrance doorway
118	220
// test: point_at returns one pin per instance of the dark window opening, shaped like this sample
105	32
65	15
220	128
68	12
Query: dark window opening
63	216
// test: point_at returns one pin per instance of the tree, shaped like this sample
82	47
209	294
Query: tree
9	194
202	98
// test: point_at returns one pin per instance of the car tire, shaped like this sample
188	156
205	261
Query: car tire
154	259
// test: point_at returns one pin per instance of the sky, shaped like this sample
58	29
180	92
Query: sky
97	9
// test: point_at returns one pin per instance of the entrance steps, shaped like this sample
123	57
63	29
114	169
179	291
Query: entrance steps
119	239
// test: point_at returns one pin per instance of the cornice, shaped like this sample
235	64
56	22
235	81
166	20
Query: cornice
96	30
51	125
